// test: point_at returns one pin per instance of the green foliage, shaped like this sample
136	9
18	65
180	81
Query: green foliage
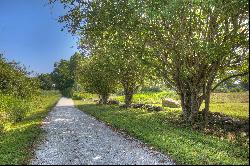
22	108
184	145
150	97
67	75
68	92
17	89
236	84
76	63
99	77
151	89
46	82
13	109
14	80
18	139
83	96
244	83
1	128
62	76
193	45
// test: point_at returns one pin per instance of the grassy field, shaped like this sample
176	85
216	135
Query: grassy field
149	97
183	144
18	138
234	104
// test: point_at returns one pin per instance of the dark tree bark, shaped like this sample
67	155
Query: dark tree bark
103	99
129	90
206	109
190	103
128	98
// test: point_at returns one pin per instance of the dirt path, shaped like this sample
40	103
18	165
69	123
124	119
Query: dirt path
74	137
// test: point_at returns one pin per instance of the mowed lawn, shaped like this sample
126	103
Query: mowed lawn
183	144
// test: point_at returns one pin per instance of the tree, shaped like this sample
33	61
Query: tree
75	65
124	52
244	83
46	82
198	42
99	77
129	70
194	43
62	77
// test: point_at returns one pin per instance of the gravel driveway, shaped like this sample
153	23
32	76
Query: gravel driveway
74	137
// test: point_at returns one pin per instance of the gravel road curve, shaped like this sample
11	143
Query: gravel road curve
73	137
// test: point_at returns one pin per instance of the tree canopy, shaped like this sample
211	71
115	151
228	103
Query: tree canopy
193	45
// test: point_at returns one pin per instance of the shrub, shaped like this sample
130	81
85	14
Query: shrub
68	92
18	110
13	109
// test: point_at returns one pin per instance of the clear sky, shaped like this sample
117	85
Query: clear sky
31	35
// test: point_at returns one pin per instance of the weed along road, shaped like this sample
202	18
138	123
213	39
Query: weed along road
73	137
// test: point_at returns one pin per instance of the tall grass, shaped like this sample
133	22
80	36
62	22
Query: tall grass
14	109
18	136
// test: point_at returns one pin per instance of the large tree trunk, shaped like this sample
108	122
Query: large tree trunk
207	93
190	103
206	109
129	89
128	98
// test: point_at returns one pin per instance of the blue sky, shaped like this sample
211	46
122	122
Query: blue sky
31	35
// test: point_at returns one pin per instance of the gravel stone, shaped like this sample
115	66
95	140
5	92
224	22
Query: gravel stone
73	137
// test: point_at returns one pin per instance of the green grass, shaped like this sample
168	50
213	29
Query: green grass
231	97
234	104
16	143
83	95
149	97
184	145
235	110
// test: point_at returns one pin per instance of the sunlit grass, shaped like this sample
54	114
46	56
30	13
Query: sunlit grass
149	97
235	110
234	104
184	145
17	140
231	97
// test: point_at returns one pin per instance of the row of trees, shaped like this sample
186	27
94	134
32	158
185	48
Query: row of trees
193	45
97	74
